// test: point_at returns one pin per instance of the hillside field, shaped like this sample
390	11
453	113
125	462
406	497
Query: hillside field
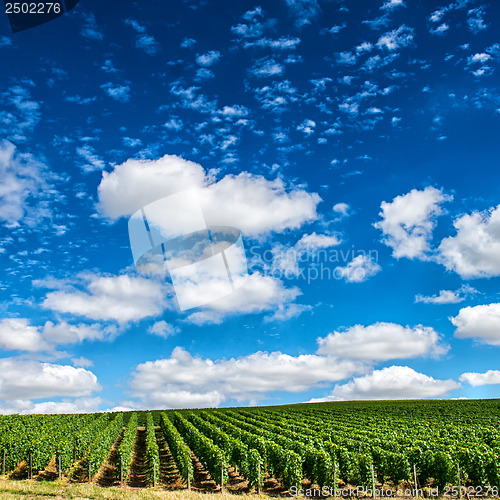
387	448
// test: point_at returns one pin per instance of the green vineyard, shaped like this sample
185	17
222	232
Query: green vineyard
451	446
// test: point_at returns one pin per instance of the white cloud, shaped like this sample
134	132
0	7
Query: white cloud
474	252
148	44
491	377
266	67
358	270
117	92
163	329
314	241
285	259
479	58
17	334
143	41
307	127
479	322
33	380
77	405
394	382
246	201
110	298
395	39
381	342
408	221
23	185
392	4
20	112
440	30
447	296
64	333
258	294
342	209
208	58
176	381
283	43
475	22
82	362
93	162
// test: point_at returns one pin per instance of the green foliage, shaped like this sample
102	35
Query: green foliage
127	446
98	451
179	449
212	457
152	451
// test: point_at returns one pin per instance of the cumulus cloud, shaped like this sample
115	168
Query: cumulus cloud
33	380
175	381
258	294
479	322
474	252
358	270
409	220
491	377
249	202
16	334
381	342
120	298
394	382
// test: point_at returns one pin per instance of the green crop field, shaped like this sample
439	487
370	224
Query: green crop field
403	448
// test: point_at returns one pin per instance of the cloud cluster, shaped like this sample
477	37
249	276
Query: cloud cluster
33	380
393	382
408	221
474	252
382	342
185	380
249	202
120	298
479	322
24	180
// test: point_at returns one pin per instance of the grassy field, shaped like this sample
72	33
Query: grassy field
16	490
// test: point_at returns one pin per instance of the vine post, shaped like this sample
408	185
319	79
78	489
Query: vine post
373	482
415	479
258	478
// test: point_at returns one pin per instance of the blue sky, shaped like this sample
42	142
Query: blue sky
353	144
